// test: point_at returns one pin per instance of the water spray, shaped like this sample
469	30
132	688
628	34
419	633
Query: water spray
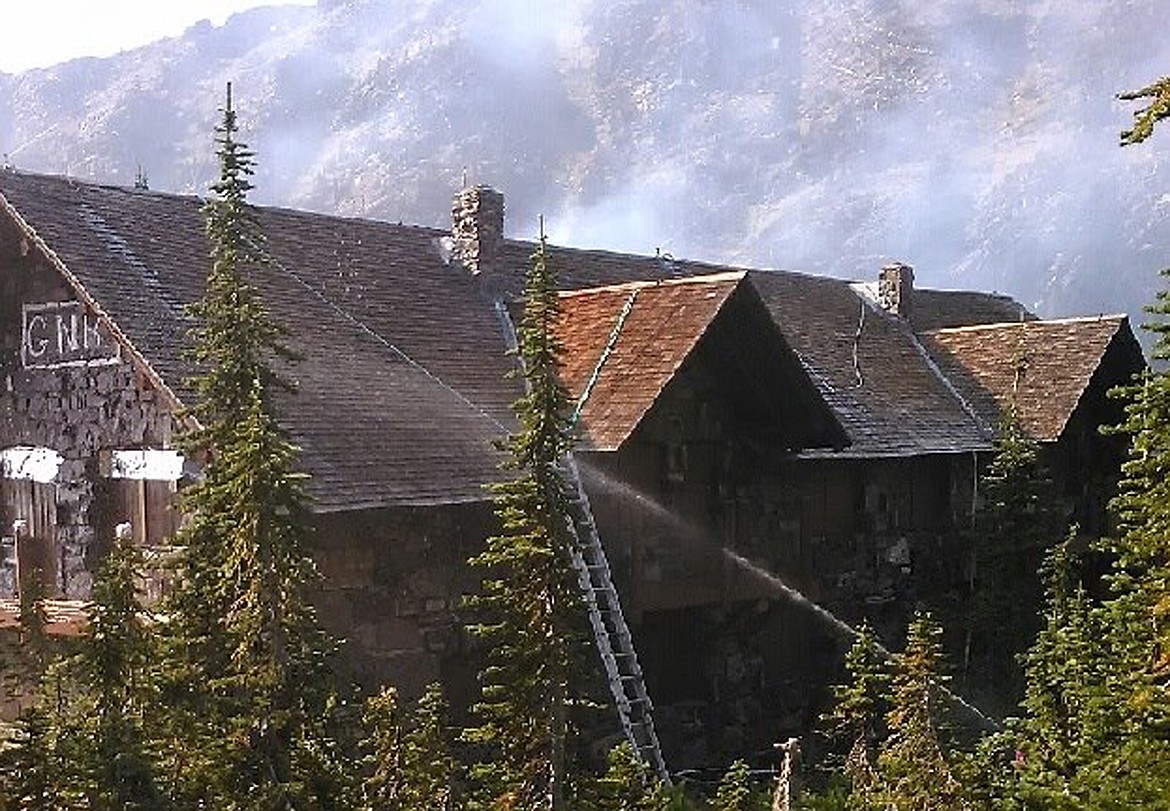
774	582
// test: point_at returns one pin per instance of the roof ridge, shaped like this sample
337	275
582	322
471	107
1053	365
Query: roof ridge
706	278
193	197
1036	322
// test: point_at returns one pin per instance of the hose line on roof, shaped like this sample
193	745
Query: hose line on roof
610	343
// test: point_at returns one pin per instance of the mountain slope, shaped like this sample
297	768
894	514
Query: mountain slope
974	139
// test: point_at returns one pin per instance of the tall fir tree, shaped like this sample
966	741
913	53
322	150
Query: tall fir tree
1018	519
250	680
1136	616
528	600
1066	712
858	715
912	760
1128	763
382	745
113	690
429	770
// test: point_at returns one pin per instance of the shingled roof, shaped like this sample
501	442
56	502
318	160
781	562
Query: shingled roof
871	369
623	344
403	383
1043	368
401	386
643	332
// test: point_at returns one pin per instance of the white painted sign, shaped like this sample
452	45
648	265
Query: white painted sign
150	465
64	333
23	462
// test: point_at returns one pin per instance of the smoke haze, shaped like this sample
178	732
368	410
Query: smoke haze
973	139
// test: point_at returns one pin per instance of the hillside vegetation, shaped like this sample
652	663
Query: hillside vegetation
970	138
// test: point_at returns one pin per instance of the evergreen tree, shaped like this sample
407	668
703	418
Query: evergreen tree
34	620
912	762
1019	517
858	713
429	771
250	677
1064	719
1136	617
1133	758
1122	752
112	692
1156	109
528	600
35	772
629	784
31	773
734	792
382	788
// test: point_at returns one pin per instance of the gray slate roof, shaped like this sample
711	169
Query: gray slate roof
402	388
359	299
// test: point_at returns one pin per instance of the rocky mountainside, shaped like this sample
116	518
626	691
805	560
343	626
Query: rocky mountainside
974	139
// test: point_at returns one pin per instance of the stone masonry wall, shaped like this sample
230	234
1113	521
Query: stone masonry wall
76	403
393	588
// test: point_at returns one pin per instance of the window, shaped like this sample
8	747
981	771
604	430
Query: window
139	489
28	518
147	506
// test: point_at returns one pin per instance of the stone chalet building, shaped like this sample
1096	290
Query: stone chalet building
827	432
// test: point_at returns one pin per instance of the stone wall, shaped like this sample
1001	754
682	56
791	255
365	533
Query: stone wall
393	586
77	404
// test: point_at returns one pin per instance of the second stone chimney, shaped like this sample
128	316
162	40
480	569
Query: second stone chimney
896	289
477	228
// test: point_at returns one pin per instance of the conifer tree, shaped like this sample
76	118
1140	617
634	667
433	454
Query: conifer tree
429	771
912	761
629	784
34	620
1064	716
250	676
734	792
382	787
528	600
1135	619
31	773
34	773
858	714
1019	518
112	693
1096	726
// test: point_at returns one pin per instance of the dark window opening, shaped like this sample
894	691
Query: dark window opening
29	540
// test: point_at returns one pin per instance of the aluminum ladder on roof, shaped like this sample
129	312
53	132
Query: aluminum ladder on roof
615	643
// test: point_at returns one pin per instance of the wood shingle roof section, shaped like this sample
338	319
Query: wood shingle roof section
394	340
870	369
639	334
1042	367
943	309
403	384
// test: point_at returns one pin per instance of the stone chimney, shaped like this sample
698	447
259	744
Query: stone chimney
477	228
896	289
